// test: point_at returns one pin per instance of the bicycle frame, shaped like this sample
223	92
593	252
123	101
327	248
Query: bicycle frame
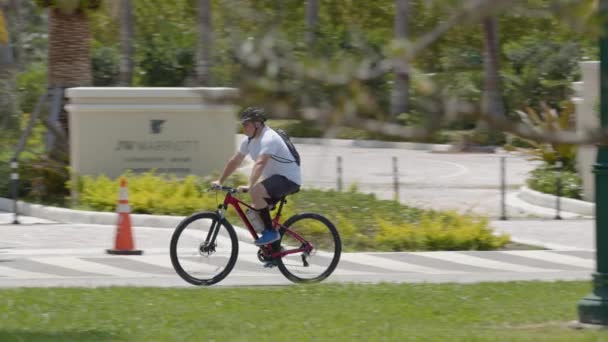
230	200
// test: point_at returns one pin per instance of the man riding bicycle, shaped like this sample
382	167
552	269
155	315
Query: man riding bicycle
274	163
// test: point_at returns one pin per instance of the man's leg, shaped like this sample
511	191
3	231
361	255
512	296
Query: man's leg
258	195
258	198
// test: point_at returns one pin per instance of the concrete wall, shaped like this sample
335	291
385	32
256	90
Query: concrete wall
586	101
176	130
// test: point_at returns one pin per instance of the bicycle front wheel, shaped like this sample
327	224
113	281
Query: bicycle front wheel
318	247
204	248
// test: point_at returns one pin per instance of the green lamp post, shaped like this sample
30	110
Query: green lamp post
593	308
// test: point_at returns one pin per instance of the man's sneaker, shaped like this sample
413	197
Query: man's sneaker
268	236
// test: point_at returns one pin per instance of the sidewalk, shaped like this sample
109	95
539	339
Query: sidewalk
41	253
569	234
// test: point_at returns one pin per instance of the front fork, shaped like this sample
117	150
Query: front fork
208	246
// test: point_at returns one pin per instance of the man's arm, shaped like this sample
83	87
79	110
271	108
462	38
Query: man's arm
232	164
259	165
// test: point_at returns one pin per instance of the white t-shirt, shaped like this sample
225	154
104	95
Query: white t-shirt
281	161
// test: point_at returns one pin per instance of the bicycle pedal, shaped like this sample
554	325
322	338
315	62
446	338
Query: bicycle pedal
270	264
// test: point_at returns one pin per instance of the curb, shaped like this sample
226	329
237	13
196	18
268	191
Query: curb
515	203
372	144
549	201
65	215
87	217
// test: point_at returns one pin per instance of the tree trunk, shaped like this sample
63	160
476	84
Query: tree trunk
15	7
203	60
6	55
8	108
126	43
400	95
492	103
69	59
69	49
312	20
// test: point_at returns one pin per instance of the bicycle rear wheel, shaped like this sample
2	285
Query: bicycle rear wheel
319	238
204	248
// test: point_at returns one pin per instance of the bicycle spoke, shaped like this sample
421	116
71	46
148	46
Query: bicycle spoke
203	251
318	245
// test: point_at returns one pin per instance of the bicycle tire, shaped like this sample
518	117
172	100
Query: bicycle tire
187	256
333	246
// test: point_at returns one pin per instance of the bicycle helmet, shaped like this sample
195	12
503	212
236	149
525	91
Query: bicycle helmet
253	114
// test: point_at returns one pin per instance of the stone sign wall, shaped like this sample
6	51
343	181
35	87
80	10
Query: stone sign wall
174	130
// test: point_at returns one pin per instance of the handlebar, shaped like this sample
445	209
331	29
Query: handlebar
227	189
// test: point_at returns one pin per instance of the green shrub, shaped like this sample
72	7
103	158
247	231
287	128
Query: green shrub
298	128
544	179
514	142
551	120
150	193
5	172
105	66
310	129
439	231
42	179
364	222
484	137
31	84
30	162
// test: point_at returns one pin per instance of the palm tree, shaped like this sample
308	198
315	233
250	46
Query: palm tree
69	55
69	58
126	43
69	47
400	95
205	30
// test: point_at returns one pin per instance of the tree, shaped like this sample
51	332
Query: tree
205	29
126	43
492	99
312	21
7	86
69	46
6	55
15	7
400	96
69	58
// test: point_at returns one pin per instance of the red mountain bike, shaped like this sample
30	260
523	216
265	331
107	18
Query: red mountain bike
204	246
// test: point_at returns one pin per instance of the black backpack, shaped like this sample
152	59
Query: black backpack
290	146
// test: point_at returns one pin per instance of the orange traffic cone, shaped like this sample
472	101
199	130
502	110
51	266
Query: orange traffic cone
124	239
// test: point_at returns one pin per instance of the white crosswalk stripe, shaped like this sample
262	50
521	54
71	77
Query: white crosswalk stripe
365	266
555	258
392	265
484	263
81	265
16	273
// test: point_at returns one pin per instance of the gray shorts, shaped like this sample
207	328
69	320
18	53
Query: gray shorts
279	186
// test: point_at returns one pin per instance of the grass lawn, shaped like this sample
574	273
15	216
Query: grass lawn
521	311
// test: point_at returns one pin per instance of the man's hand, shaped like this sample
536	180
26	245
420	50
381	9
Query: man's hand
216	184
243	188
